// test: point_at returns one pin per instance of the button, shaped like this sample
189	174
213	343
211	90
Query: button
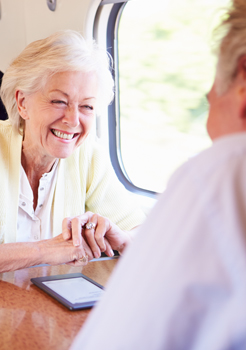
40	206
36	237
42	188
23	204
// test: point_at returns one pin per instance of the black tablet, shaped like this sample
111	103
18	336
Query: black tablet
75	291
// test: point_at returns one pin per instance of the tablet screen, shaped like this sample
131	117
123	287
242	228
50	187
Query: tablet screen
75	290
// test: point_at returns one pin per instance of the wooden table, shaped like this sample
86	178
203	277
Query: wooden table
31	319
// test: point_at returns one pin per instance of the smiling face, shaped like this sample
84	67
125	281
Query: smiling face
58	117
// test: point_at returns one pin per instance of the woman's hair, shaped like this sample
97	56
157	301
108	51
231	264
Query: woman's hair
232	44
62	51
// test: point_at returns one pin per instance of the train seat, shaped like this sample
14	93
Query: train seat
3	113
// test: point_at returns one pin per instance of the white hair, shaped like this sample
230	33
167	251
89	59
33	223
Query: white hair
62	51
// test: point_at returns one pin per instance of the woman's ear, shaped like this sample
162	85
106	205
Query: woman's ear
21	104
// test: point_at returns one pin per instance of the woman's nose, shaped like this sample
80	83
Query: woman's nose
71	117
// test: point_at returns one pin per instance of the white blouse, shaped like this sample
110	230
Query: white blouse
36	225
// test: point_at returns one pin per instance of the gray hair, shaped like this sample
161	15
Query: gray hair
232	44
62	51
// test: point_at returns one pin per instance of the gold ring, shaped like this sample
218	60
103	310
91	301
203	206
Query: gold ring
90	225
84	258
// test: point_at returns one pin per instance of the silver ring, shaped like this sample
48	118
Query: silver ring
90	225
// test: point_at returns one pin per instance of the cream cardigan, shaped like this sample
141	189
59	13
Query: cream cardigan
85	181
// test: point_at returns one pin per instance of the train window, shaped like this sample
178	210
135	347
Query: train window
165	68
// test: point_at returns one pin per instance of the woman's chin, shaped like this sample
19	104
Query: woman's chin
62	153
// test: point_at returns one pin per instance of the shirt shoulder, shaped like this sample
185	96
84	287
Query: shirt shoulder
218	161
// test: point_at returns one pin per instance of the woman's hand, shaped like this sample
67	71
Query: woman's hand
103	236
53	251
57	251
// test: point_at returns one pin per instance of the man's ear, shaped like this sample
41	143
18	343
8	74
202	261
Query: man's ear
241	67
21	104
241	83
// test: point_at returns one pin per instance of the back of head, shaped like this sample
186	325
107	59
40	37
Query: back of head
232	44
62	51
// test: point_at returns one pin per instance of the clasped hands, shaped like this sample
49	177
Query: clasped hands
94	234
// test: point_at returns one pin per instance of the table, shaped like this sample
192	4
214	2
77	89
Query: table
31	319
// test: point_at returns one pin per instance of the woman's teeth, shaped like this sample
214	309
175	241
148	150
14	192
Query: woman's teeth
62	135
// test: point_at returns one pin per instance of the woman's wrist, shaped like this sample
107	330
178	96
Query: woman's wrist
15	256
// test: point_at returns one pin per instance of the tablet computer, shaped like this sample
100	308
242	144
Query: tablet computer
75	291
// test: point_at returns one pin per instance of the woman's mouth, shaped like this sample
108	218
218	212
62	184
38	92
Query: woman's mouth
63	135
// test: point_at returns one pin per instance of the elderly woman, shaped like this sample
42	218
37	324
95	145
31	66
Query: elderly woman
54	174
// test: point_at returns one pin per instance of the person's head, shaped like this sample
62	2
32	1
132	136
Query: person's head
227	98
64	51
59	116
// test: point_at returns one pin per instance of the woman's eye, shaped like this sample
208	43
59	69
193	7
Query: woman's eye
88	107
58	102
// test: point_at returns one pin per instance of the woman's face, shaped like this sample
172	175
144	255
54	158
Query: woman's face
59	117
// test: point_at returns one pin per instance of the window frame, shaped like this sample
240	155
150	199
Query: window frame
114	108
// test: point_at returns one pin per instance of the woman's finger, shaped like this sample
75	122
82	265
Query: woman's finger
103	225
108	251
72	227
89	234
76	231
66	229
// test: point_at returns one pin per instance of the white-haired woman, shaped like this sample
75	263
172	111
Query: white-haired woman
60	201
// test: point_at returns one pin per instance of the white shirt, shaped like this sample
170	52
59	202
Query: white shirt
182	282
36	225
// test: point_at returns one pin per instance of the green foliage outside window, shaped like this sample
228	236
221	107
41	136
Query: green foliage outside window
166	68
